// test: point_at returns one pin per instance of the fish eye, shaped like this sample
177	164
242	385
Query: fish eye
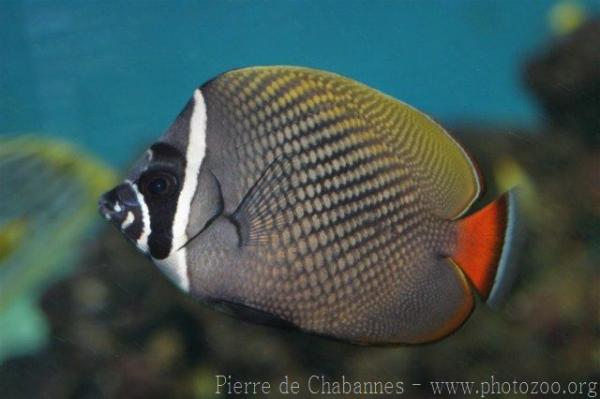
159	183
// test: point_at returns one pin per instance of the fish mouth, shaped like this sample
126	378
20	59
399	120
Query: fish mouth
121	207
111	209
117	204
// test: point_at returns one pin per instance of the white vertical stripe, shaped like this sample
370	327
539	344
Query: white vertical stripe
128	221
142	242
175	265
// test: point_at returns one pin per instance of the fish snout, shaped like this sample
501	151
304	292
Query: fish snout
114	204
110	207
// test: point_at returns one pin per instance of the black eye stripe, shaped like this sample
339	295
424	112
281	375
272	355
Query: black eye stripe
160	185
164	150
129	198
157	183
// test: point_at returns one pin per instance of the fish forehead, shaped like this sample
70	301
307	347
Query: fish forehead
138	167
176	137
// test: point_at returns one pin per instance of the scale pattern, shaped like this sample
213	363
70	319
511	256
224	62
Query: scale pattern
346	199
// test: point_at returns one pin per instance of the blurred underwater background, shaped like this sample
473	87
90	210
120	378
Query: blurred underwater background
85	87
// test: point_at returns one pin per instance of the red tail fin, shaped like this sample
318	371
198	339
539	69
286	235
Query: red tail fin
484	247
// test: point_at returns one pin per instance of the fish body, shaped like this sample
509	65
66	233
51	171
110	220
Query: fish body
299	197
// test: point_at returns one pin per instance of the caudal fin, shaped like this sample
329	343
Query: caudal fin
485	248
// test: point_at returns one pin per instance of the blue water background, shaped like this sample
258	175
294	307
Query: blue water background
111	76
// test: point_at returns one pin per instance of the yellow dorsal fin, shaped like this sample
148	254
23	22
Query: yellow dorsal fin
448	179
447	176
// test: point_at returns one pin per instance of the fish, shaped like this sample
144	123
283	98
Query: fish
12	235
47	211
299	198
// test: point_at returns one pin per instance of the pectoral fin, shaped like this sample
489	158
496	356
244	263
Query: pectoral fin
261	211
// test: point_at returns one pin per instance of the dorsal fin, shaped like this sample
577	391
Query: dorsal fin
447	175
448	179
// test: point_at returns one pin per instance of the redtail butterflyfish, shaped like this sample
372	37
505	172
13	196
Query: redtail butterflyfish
297	197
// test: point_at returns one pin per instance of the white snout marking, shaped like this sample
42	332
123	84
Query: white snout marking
128	220
142	242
